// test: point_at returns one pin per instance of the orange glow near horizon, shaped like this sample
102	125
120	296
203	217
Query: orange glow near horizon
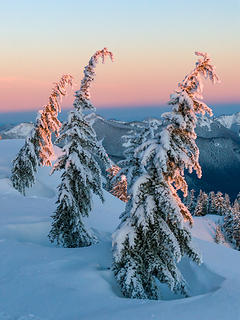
152	51
153	43
116	84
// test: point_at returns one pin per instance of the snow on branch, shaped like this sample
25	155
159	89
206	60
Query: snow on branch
193	86
83	94
38	148
47	120
187	102
82	161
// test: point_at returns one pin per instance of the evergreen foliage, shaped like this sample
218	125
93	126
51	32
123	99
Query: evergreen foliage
190	201
236	225
220	203
219	237
238	198
80	162
211	203
152	237
201	208
231	225
119	187
38	148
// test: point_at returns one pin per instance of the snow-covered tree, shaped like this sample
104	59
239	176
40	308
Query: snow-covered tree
131	166
38	148
219	203
119	187
190	201
152	237
228	226
201	208
231	225
25	164
227	203
238	197
211	203
219	237
47	121
236	225
80	162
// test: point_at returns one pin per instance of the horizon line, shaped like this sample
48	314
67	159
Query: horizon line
155	106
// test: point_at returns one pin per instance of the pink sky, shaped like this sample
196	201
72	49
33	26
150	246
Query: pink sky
153	43
117	84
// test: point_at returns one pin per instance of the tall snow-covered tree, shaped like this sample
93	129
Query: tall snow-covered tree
38	148
80	162
152	237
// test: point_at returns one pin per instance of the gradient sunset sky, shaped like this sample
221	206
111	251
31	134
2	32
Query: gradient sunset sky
153	43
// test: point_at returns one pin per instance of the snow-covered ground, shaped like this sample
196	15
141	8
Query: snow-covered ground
41	282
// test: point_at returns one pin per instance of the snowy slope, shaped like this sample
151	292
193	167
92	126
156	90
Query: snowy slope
219	149
231	121
19	131
41	282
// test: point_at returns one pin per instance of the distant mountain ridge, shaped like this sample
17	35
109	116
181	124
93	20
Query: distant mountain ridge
231	122
20	131
219	152
218	141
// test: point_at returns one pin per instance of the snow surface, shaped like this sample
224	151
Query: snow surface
229	120
39	281
22	130
204	121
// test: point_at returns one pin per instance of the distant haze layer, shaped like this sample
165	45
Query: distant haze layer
117	113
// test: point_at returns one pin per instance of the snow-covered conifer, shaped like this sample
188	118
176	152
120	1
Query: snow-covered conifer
47	120
152	237
25	164
227	203
211	203
228	226
119	187
131	166
38	148
191	201
238	197
236	225
231	225
201	208
80	162
219	237
219	203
